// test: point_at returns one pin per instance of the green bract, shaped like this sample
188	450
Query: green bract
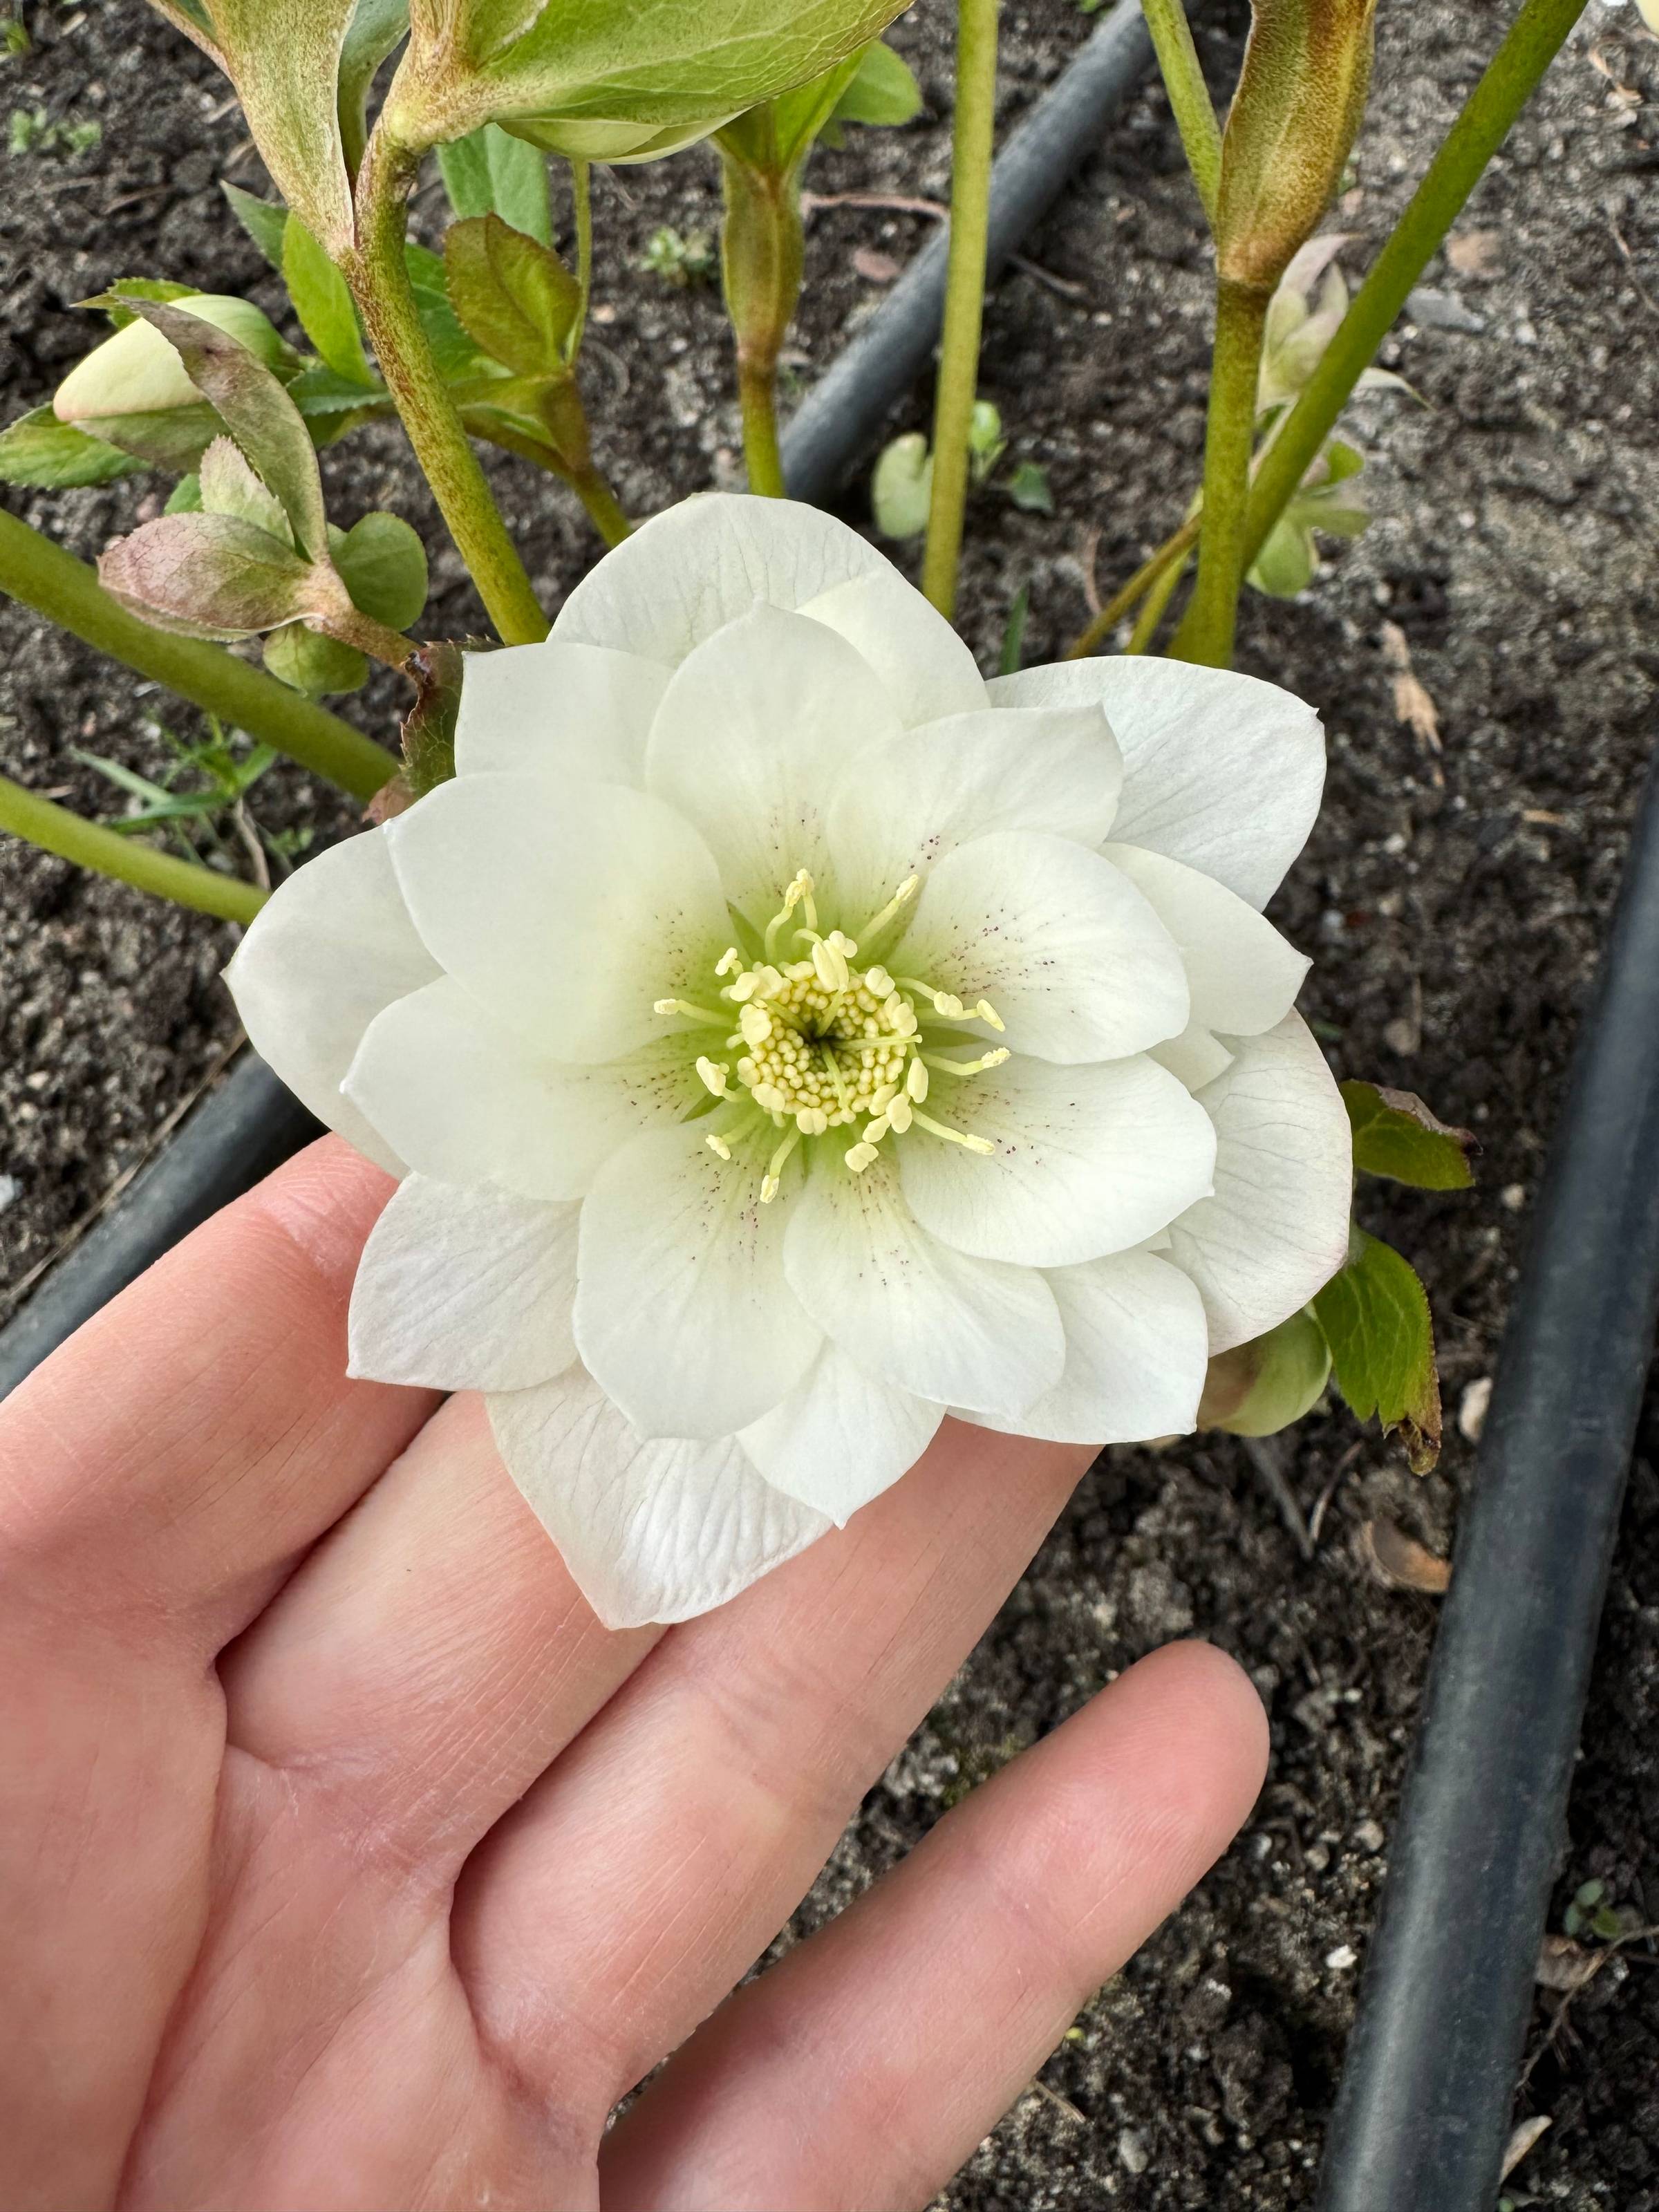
605	80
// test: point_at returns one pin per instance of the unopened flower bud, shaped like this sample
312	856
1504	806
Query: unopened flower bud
137	372
1292	124
1262	1386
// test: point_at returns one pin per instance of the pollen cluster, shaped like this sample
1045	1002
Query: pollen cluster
820	1045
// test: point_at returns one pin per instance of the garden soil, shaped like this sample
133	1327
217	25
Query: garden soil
1485	659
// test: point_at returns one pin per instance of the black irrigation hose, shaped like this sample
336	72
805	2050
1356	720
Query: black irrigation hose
1422	2114
251	1124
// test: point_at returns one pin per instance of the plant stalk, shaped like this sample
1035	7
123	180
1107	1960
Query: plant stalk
380	281
1128	596
973	134
1205	634
762	252
1534	39
89	845
1158	599
581	194
68	593
1189	96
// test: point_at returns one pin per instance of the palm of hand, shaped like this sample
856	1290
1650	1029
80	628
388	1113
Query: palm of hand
345	1861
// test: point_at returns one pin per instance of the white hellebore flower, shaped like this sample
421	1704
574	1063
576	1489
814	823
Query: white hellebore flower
785	1037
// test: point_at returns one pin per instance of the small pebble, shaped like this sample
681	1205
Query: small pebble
1342	1958
1133	2152
7	1191
1472	1408
1368	1836
1513	1196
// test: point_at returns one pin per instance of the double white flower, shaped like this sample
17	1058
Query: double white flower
786	1036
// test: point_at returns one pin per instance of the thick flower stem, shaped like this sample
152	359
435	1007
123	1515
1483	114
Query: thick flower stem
380	281
972	136
1189	96
1205	634
1124	601
761	252
1534	39
68	593
55	829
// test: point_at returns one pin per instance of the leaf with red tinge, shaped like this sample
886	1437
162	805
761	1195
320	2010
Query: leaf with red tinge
1395	1135
208	575
1374	1314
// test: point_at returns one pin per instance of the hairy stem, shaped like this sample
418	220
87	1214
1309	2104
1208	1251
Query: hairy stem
1151	570
1189	96
55	829
380	281
1534	39
1158	599
68	593
971	141
762	252
1206	630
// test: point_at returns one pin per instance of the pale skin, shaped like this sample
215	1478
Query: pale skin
347	1864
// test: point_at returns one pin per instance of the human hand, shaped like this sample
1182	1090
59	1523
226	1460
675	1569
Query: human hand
347	1861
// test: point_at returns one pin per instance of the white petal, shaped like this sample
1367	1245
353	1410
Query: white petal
907	804
1242	975
842	1437
1088	1159
465	1289
1059	941
657	1530
578	713
688	573
330	947
924	666
1136	1353
569	916
1219	770
1195	1057
954	1330
682	1314
461	1095
1277	1228
752	743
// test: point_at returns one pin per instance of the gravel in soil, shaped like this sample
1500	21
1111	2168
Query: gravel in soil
1454	895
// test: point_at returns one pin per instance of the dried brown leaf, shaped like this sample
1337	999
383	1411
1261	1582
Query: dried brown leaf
1400	1562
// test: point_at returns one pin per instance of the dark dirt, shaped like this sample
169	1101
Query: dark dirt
1454	896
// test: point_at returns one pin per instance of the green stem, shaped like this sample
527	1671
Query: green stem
55	829
605	510
68	593
380	280
971	140
1206	630
1152	569
761	252
581	193
1152	614
1534	39
1189	96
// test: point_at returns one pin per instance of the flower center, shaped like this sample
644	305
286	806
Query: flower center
816	1044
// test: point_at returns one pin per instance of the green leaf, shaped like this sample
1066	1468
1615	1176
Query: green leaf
319	392
1395	1135
428	731
258	414
39	451
489	173
316	665
284	58
453	351
1030	489
168	438
141	288
515	297
882	90
781	134
375	27
1374	1314
263	220
208	575
322	300
383	564
185	497
1012	655
1287	561
901	488
227	485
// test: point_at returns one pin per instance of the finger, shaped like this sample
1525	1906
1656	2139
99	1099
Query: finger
430	1657
612	1910
895	2038
188	1444
158	1477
